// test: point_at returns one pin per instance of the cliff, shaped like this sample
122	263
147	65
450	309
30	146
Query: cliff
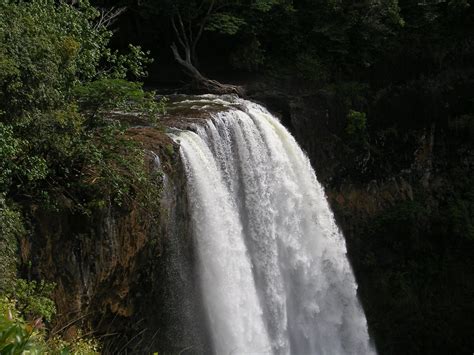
124	274
404	200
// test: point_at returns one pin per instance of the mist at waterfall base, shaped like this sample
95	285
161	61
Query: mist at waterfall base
272	263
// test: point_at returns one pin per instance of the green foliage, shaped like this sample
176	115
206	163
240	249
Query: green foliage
60	80
357	140
264	5
120	65
17	338
49	47
9	150
78	346
11	228
225	23
169	150
329	39
117	94
20	337
34	299
118	172
59	85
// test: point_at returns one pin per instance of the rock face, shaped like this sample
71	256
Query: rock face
124	274
406	212
405	205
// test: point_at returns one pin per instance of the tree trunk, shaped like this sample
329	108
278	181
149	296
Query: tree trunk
200	82
188	43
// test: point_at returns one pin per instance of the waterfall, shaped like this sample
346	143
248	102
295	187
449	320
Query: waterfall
272	262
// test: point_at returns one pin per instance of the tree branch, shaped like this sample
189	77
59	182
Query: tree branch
181	25
108	17
178	34
202	26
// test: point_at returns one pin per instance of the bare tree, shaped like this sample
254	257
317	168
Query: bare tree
188	35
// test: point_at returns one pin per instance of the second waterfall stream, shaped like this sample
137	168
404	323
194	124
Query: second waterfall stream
272	263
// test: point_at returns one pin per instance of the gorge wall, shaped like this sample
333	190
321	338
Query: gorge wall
404	202
403	214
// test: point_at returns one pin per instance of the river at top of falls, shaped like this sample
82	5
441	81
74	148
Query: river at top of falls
272	263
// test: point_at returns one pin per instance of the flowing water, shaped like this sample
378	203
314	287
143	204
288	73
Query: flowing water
273	268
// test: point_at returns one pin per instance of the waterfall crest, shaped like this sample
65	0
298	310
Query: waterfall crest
273	267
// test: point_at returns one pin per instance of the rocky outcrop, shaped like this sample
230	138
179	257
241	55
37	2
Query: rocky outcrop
123	273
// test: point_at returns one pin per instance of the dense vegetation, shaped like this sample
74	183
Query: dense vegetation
389	72
58	79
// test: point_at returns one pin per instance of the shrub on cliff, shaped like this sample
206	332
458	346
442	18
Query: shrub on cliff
58	79
18	336
56	71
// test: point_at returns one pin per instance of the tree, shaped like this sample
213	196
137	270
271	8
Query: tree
191	19
55	66
188	30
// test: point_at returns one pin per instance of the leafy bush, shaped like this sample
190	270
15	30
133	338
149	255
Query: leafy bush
34	299
19	337
59	79
47	47
117	94
59	82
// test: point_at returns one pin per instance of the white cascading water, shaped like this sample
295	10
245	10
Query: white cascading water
273	267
